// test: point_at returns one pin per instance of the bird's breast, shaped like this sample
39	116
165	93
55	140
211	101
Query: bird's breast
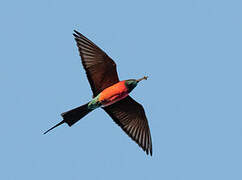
113	94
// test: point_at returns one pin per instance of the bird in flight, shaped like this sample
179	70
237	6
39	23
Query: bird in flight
110	94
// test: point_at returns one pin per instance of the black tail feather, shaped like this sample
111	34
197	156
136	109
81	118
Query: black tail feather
72	116
54	126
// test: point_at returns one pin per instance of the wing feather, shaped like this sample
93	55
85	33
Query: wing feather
130	116
100	68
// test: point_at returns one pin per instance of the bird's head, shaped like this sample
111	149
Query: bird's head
132	83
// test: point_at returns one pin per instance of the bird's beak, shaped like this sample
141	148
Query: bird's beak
145	77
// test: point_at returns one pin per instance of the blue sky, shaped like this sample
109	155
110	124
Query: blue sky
190	49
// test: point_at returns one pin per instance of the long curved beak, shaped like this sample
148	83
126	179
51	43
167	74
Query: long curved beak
143	78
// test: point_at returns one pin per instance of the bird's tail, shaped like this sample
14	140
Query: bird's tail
72	116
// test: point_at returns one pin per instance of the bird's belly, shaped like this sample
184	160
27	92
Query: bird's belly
113	99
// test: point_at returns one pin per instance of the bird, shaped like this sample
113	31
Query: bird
109	93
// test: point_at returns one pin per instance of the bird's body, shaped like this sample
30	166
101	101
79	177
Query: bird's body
113	94
110	94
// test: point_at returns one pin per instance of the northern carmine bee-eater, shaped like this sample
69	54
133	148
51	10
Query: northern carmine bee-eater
110	94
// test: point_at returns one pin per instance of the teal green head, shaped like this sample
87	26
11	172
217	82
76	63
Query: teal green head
132	83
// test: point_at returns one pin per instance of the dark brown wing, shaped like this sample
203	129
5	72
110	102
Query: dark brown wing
130	116
100	69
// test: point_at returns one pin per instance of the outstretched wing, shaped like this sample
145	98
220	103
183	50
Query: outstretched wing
100	69
130	116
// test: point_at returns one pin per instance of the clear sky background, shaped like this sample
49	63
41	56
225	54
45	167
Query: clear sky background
190	49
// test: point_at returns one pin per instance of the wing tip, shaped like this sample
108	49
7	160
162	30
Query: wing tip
151	153
76	34
75	31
